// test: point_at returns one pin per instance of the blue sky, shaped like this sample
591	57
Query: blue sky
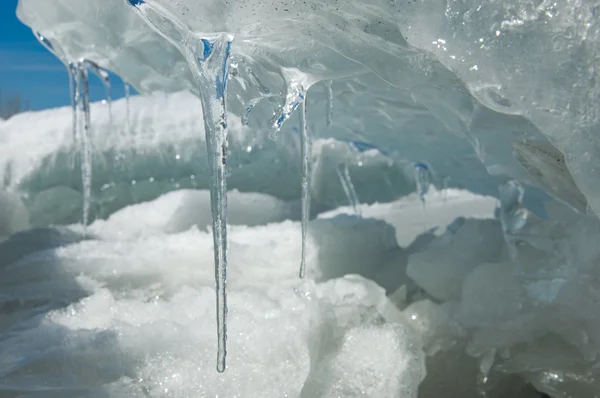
28	69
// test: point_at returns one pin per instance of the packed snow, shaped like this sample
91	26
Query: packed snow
129	310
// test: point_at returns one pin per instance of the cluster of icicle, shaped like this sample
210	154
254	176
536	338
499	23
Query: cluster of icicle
79	71
208	58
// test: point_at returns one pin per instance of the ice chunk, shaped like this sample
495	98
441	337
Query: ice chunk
548	167
491	294
353	245
442	268
434	324
446	367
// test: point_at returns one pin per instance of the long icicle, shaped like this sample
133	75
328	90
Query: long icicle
83	135
210	63
329	96
305	153
73	87
73	70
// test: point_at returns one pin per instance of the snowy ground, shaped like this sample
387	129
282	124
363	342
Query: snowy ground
130	312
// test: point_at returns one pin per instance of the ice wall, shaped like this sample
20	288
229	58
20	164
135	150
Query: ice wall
358	45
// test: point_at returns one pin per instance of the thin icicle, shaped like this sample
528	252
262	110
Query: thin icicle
305	150
128	110
423	180
209	64
104	76
73	87
83	135
329	95
344	176
353	193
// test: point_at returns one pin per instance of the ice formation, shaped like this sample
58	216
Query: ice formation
411	104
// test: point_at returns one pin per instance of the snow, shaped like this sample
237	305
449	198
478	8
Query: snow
136	309
411	214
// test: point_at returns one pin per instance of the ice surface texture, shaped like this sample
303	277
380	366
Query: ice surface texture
500	76
363	48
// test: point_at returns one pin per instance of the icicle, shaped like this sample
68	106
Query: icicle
344	176
445	187
305	150
71	70
265	93
329	95
513	216
295	97
105	78
208	60
73	87
45	42
423	179
209	64
352	190
248	109
83	125
128	114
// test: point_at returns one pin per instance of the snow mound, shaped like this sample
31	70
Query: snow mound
134	316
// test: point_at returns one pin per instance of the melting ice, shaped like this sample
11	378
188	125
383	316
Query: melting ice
498	293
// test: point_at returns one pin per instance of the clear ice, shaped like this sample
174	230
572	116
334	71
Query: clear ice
348	187
208	58
305	153
423	179
83	131
329	99
513	215
127	89
78	73
295	97
210	65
